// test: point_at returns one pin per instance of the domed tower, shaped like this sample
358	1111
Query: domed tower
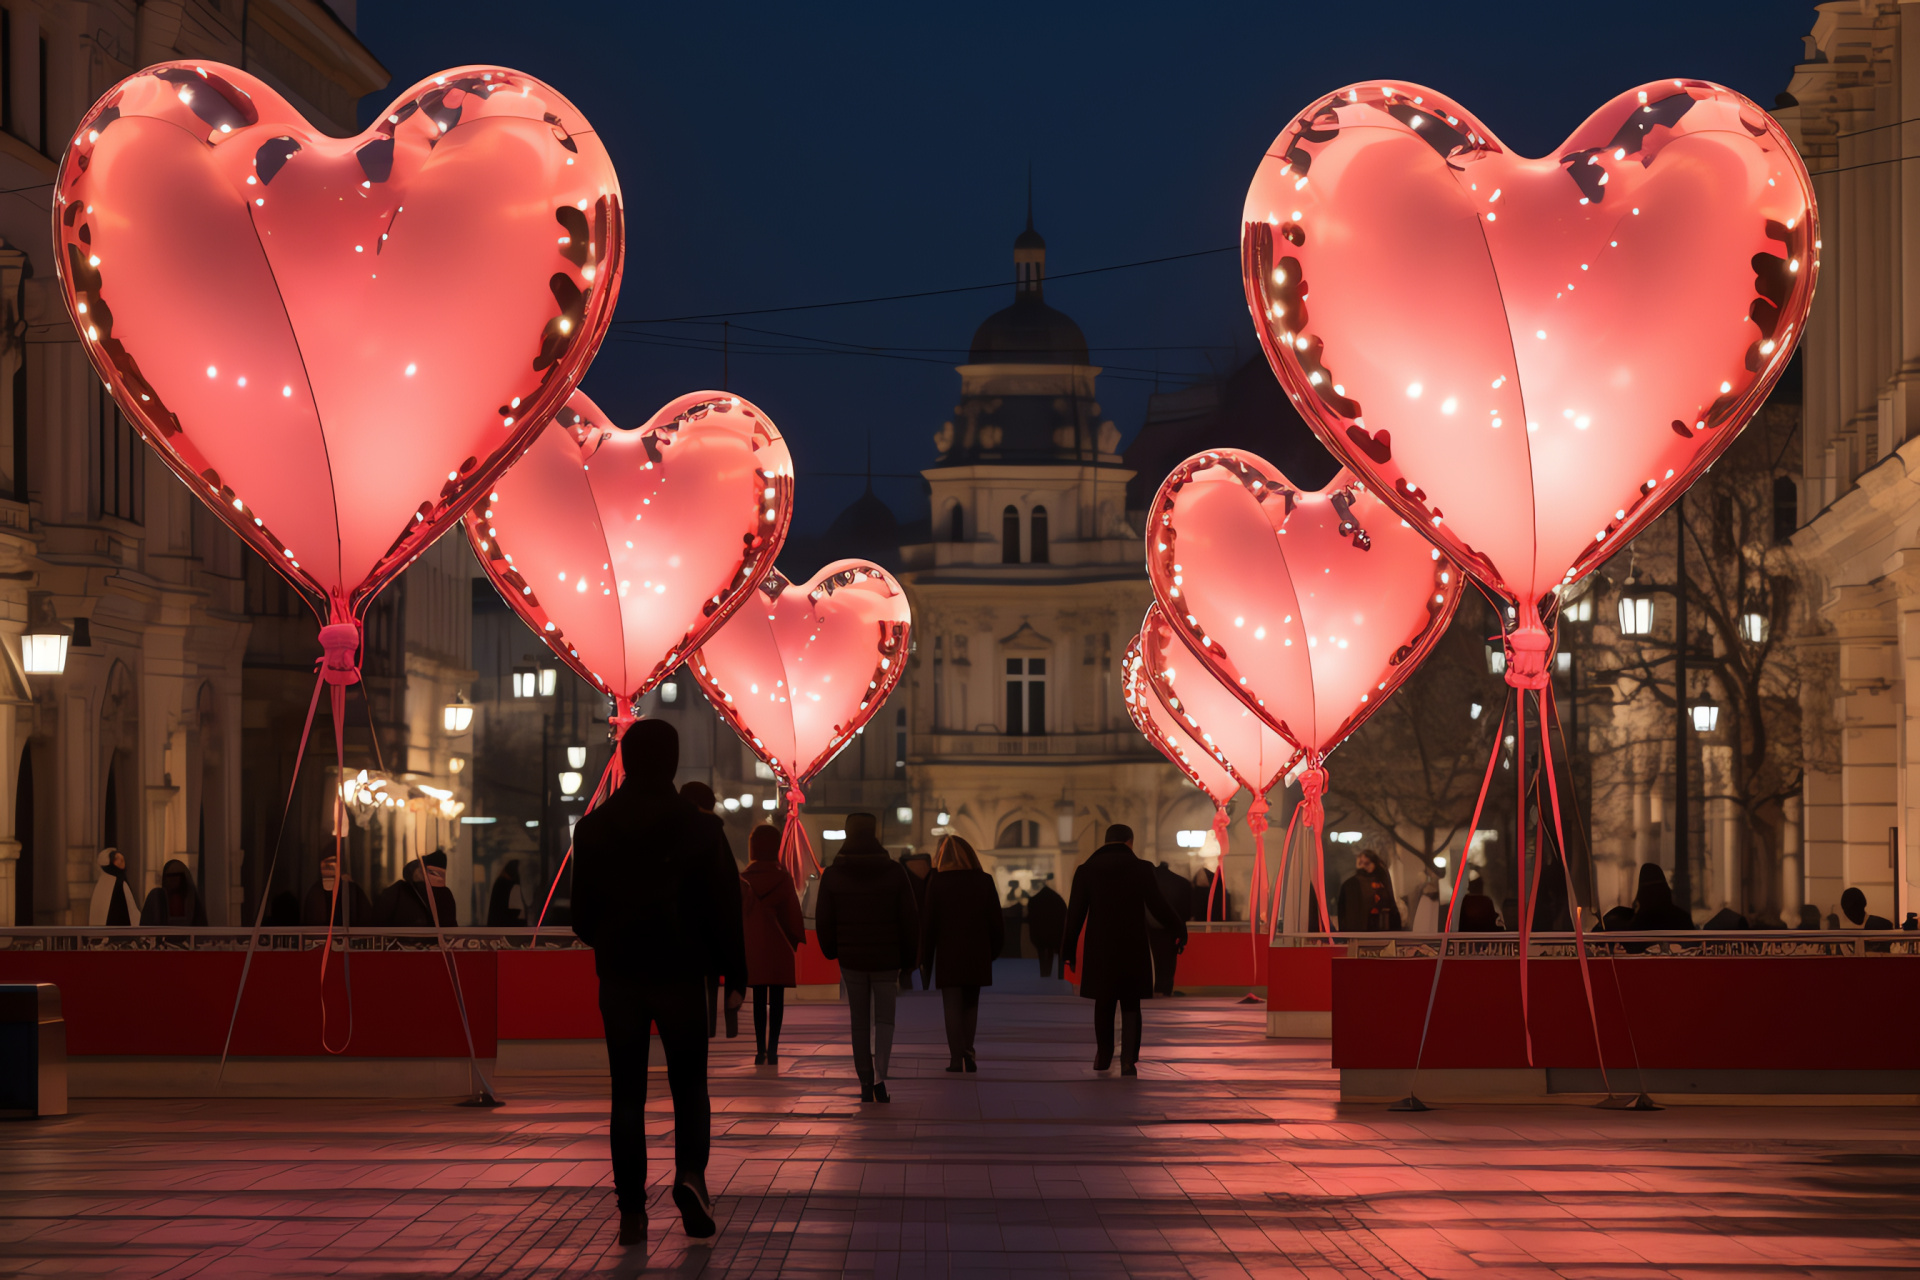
1025	591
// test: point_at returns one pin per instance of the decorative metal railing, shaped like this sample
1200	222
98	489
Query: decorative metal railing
1742	943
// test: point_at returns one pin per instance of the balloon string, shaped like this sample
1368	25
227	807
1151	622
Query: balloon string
1222	823
794	842
337	699
1313	785
1459	881
1280	877
266	889
610	779
1257	822
1573	906
1520	866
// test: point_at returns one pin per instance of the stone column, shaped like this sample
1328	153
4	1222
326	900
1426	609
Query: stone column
1793	886
1864	618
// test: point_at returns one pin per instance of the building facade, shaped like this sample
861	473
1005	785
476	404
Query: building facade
1851	107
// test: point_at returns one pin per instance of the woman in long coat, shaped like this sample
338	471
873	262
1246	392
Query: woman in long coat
770	912
1113	893
961	929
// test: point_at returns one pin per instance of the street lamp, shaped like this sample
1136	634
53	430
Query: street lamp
43	649
1753	628
570	781
526	681
1636	610
576	757
457	716
1706	717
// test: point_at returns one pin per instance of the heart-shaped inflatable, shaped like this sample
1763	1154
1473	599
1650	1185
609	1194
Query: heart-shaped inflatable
1239	741
338	343
1530	358
626	549
1312	607
1169	734
803	667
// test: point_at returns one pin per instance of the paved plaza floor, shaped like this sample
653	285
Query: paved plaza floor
1229	1156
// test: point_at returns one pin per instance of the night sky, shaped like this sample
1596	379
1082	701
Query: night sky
777	157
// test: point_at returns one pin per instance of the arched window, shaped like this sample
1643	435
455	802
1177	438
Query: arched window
956	524
1037	536
1019	835
1010	536
1786	508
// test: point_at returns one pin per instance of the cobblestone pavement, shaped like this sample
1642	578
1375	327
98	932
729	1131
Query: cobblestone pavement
1229	1156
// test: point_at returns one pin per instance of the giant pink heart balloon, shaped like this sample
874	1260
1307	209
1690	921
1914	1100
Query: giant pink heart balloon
1312	607
1240	742
1530	357
625	549
803	667
1170	735
338	343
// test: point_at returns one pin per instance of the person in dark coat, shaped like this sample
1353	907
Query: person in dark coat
919	874
403	904
1853	905
1113	894
864	918
506	905
175	902
1179	895
1366	901
1476	910
656	894
1046	921
701	797
960	934
1013	918
350	908
1653	906
770	915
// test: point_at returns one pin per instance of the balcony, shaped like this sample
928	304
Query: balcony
1112	744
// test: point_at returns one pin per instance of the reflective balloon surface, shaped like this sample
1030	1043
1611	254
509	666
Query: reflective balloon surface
624	549
338	343
1169	736
803	666
1239	741
1313	607
1530	357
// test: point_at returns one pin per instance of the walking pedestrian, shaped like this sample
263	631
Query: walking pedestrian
864	919
1113	894
112	902
919	874
701	796
175	902
1179	896
960	934
770	914
656	894
1046	921
1013	917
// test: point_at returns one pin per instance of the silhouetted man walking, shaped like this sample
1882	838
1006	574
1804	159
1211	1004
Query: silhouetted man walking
656	894
1113	893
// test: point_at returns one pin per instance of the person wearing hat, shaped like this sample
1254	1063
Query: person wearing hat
656	894
866	918
175	902
404	904
349	907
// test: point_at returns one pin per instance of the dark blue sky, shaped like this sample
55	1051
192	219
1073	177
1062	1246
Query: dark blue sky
773	156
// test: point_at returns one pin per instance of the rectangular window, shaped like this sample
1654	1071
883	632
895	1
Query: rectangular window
1026	695
119	457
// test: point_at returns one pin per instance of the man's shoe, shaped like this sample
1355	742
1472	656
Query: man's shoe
696	1211
1101	1061
866	1093
760	1058
957	1065
880	1091
633	1228
971	1064
773	1057
1129	1069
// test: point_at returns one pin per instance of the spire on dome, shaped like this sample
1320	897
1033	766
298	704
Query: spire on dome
1029	253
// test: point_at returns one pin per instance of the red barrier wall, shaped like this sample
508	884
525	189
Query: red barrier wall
549	995
179	1002
1222	960
1300	979
813	969
1778	1013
